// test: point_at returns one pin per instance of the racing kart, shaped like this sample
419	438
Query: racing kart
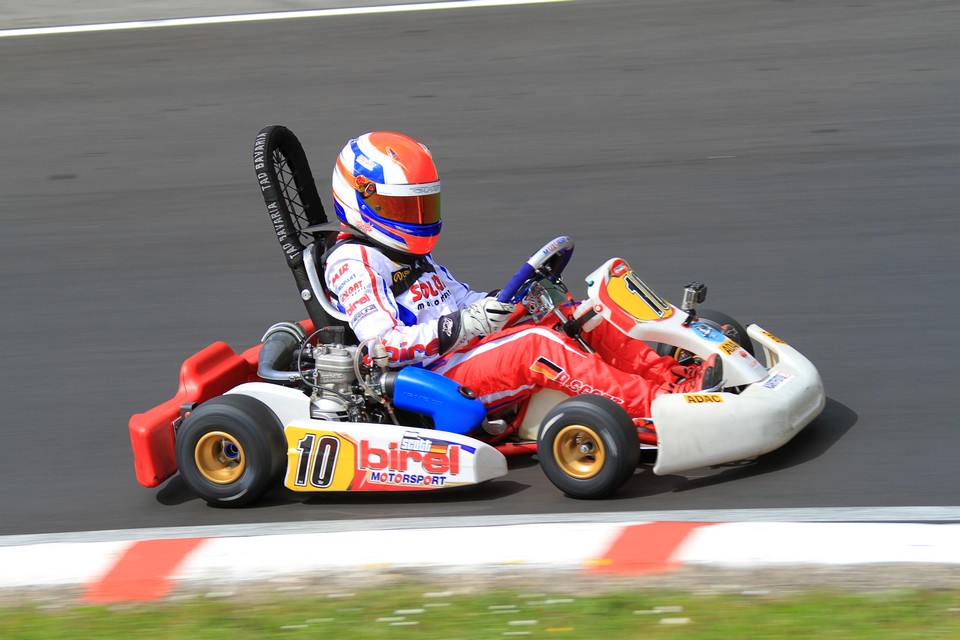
313	409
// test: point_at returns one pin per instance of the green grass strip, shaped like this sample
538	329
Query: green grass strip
411	612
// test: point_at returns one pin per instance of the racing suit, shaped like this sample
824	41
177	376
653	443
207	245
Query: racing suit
401	303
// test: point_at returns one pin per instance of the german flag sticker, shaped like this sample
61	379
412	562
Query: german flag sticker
546	368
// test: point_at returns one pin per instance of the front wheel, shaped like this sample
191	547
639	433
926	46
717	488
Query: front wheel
716	320
588	446
230	450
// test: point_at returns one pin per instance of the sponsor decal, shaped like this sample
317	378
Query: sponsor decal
364	227
430	288
776	380
707	332
365	187
344	281
412	352
398	276
353	289
555	372
423	454
703	398
364	299
424	190
339	274
259	149
366	162
363	313
273	209
773	337
729	347
388	477
556	244
446	326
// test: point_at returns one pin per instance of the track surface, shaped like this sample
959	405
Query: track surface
800	158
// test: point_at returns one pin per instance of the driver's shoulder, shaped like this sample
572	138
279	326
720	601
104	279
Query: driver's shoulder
357	256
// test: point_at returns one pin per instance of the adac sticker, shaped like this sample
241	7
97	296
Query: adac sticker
703	398
729	347
773	337
777	380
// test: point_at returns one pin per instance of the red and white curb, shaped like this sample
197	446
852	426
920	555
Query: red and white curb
148	569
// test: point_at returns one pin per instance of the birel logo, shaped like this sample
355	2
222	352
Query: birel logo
433	457
411	352
365	299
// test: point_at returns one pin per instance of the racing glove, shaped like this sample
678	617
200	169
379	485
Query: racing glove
482	318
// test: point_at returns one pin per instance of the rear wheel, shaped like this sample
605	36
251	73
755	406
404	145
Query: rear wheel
230	450
588	446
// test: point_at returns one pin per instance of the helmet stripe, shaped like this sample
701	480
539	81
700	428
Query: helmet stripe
362	162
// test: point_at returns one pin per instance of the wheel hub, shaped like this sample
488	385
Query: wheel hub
219	457
579	452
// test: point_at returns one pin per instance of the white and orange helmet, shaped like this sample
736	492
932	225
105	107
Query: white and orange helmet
386	186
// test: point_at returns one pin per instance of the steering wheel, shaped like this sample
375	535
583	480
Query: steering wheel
548	261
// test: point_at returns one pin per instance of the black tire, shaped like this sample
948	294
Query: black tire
288	189
293	205
588	446
719	321
230	450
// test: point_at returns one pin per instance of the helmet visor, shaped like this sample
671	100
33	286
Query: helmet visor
406	209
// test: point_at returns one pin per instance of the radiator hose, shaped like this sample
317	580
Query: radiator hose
280	342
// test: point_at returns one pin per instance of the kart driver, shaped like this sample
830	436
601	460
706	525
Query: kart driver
386	192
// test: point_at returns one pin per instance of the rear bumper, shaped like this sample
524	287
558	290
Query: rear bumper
208	373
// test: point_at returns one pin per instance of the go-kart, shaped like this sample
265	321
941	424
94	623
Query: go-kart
315	410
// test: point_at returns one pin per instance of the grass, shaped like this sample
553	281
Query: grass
409	611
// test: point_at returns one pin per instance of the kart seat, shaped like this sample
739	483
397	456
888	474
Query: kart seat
313	265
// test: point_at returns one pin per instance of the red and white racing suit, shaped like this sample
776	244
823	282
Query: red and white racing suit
503	368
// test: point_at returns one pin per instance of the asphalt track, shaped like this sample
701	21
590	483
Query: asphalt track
799	158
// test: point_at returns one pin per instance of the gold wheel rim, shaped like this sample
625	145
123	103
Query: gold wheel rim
219	457
579	451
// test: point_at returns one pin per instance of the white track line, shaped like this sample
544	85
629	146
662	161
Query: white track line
823	514
276	15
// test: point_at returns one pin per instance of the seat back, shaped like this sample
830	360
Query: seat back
298	219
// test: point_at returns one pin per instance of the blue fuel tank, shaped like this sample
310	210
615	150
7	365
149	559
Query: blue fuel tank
451	406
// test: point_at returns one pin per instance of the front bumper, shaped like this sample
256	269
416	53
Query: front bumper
697	430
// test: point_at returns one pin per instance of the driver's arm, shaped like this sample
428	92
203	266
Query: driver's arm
372	312
359	280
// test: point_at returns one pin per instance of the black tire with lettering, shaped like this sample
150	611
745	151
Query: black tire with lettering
230	450
288	189
588	446
293	205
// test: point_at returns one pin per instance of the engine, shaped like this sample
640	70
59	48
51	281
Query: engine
326	371
355	384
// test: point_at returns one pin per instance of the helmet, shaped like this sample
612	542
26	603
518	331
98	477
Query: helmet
386	186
